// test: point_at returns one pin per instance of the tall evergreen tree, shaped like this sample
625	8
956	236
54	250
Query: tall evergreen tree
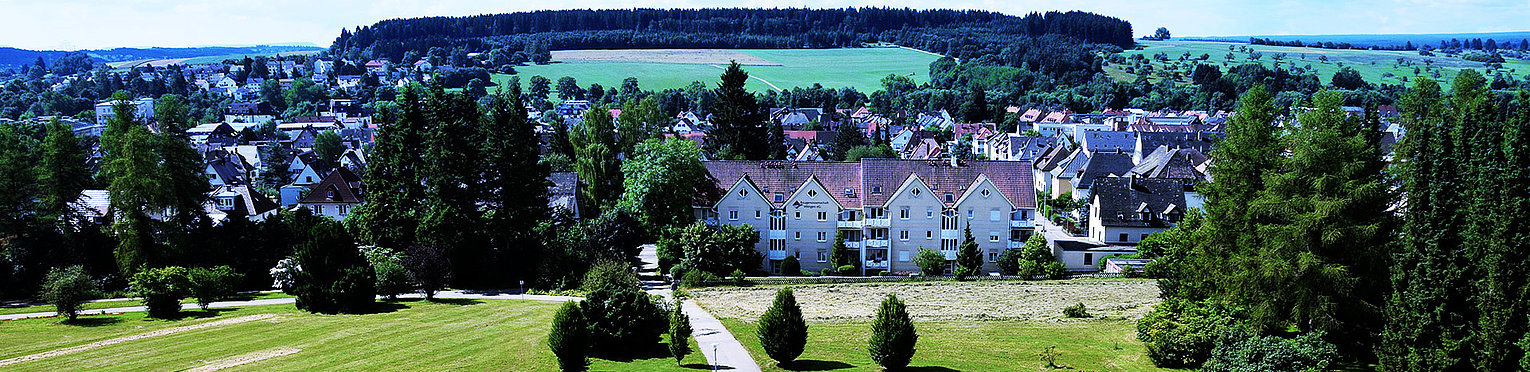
61	171
451	175
597	160
137	193
738	127
18	182
390	215
514	183
969	260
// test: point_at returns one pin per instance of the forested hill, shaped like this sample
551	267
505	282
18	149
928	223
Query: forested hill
723	28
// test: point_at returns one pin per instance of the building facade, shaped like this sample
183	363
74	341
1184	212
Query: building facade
887	209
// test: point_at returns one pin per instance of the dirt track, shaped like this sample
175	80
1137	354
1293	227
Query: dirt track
1013	300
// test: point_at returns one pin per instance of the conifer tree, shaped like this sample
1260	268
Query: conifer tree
893	336
570	338
390	214
679	333
514	183
451	173
18	182
969	260
738	127
597	160
782	331
61	171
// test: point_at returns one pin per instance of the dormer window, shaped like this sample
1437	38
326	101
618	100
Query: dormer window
876	189
849	192
780	197
949	198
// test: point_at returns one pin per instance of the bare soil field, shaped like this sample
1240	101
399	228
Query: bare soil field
683	56
1013	300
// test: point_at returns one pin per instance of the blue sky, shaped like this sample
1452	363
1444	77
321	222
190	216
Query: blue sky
91	24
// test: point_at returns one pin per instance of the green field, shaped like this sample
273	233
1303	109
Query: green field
488	335
1089	345
860	68
1372	64
125	303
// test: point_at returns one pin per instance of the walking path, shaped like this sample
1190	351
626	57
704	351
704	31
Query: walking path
494	295
717	344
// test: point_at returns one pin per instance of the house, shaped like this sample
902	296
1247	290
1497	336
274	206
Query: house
143	109
1100	165
1083	255
1182	165
1125	265
888	209
571	108
232	200
334	197
377	67
223	170
1125	210
347	81
563	192
1112	141
1010	146
809	153
1151	141
249	112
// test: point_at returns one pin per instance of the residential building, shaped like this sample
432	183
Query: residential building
336	195
143	109
249	112
1125	210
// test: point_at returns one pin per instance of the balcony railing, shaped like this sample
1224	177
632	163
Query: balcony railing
1016	244
950	254
710	221
1022	224
876	264
878	222
777	255
853	245
778	234
877	243
851	224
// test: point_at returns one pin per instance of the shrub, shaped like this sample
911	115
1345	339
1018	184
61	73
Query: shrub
212	284
334	278
738	277
679	333
162	290
694	278
428	268
893	336
570	338
66	288
1009	262
1243	351
609	273
1181	334
782	331
790	266
931	262
1028	269
827	272
623	318
388	264
846	269
282	274
1076	311
1054	270
1050	355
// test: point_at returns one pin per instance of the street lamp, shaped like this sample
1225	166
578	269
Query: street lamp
716	359
523	289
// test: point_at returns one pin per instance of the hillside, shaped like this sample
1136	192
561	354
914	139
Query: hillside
1368	40
1376	66
12	57
769	69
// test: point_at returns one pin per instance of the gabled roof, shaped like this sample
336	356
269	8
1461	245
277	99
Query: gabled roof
340	186
1103	165
1053	157
771	177
1177	164
1122	200
562	191
1202	141
1013	178
1101	140
975	186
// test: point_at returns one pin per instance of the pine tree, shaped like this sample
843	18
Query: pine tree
61	171
570	338
840	256
597	160
893	336
514	183
782	331
969	260
391	214
679	333
738	128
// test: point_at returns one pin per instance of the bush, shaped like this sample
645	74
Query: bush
738	277
570	338
1054	270
334	277
282	274
1181	334
893	336
790	266
162	290
782	331
1243	351
1076	311
388	264
845	269
608	273
212	284
623	319
1009	262
931	262
695	278
428	268
66	288
679	333
827	272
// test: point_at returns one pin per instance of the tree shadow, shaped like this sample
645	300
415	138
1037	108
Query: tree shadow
198	314
929	369
95	321
697	366
627	355
814	365
457	301
384	308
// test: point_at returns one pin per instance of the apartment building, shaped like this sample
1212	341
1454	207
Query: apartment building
888	209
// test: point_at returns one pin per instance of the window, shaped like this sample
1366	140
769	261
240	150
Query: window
903	213
1123	237
1088	258
993	215
969	214
733	215
798	235
308	179
903	255
757	214
929	213
929	234
321	209
823	216
993	236
993	255
342	208
903	235
823	256
780	197
876	189
849	192
949	200
797	215
822	235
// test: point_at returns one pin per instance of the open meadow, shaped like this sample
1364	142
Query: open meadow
658	69
485	335
1376	66
976	326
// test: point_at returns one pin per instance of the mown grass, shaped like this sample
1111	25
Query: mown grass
1088	345
125	303
500	335
860	68
1373	65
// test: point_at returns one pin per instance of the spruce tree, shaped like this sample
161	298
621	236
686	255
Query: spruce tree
335	277
390	214
18	182
61	171
136	188
893	336
969	260
570	338
782	331
738	128
1250	151
514	183
451	173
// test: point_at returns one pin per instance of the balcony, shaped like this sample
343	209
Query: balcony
778	234
950	255
1016	244
710	221
878	222
1026	224
876	264
949	234
851	224
853	245
777	255
877	243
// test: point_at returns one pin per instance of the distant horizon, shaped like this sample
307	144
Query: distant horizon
68	25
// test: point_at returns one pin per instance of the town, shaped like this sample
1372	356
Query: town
1087	206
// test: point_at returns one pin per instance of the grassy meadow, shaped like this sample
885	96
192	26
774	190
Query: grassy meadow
498	335
860	68
1373	65
85	307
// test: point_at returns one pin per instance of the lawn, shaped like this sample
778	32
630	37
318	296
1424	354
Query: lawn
1372	64
861	68
125	303
1088	345
411	335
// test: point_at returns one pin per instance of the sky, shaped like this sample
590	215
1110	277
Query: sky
96	24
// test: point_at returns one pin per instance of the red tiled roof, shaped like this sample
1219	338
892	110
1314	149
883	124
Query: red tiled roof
344	185
1013	178
784	177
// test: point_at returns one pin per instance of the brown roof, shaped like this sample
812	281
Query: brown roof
340	186
1013	178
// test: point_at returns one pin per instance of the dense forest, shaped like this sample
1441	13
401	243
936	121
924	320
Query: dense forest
723	28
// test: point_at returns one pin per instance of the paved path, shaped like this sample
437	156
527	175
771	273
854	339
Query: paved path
493	294
717	344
